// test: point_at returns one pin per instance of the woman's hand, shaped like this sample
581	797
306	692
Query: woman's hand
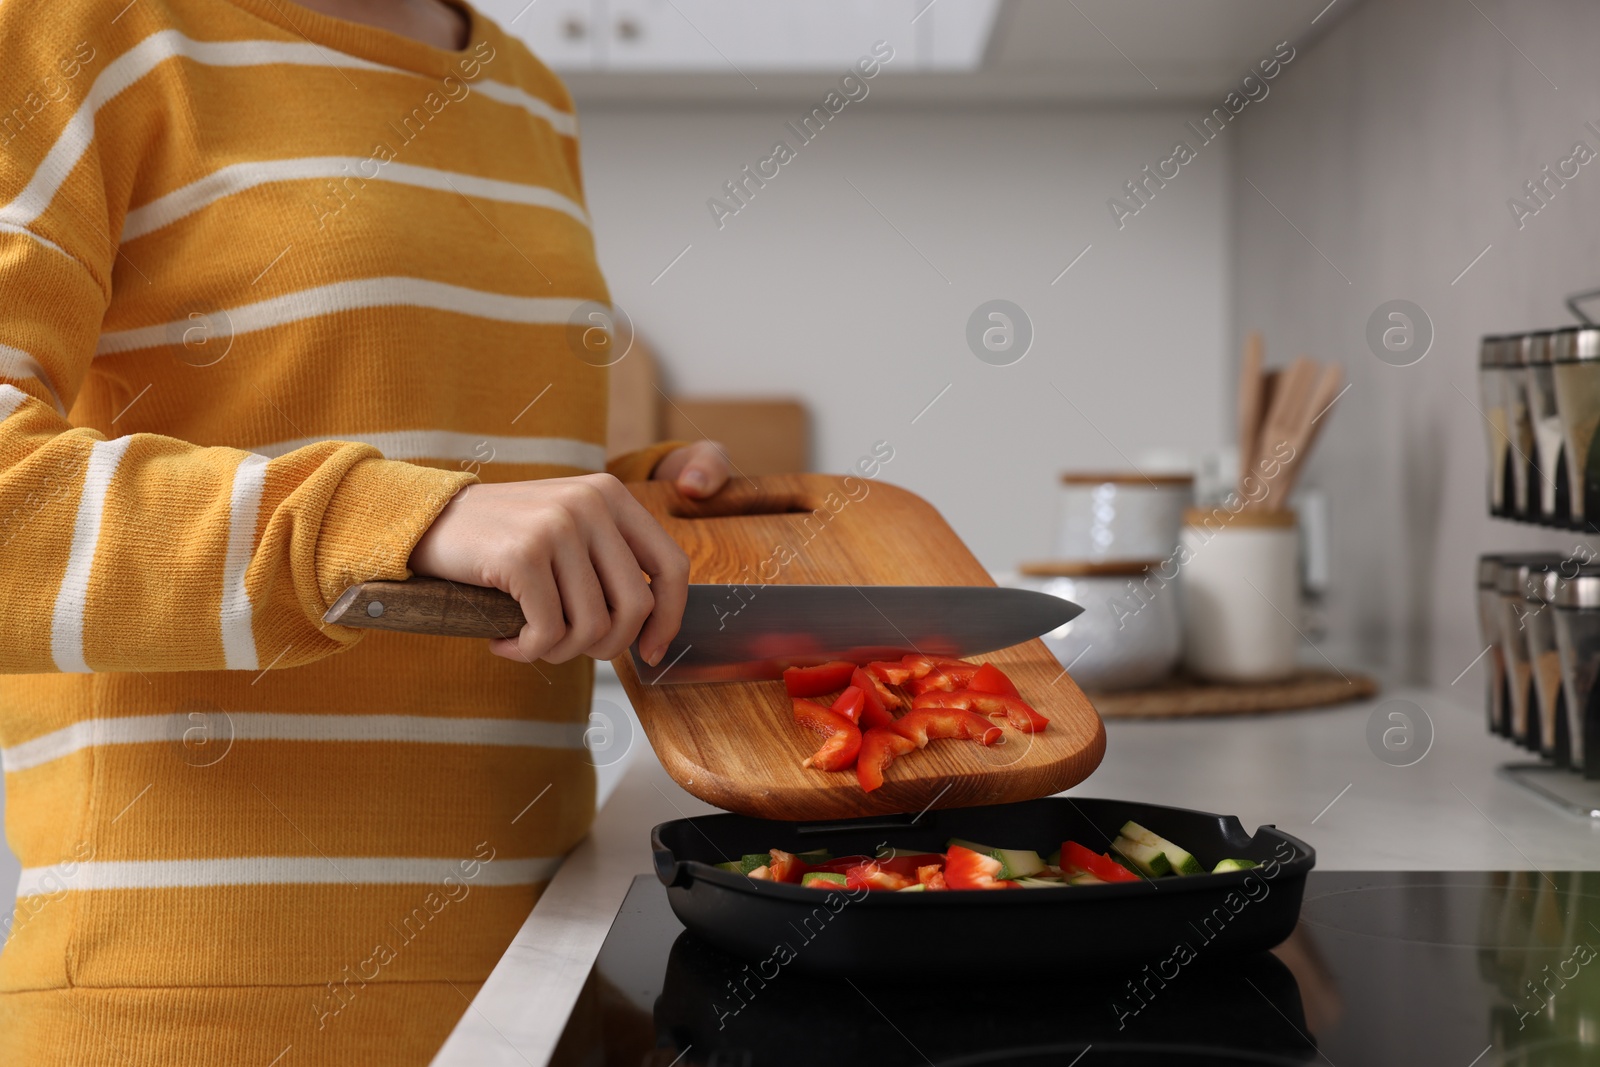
699	470
571	550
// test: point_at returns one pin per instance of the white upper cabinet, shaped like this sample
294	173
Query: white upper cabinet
747	36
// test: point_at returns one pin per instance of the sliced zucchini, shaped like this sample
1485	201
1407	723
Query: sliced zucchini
1054	859
1040	883
822	879
815	857
1224	866
918	888
732	867
1014	862
1181	861
1085	878
751	861
1148	860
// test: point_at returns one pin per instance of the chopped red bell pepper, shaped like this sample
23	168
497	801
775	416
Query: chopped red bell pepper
850	703
1103	867
879	699
909	865
816	681
879	746
921	665
990	679
1015	711
871	875
932	876
785	866
924	724
966	869
945	679
843	742
890	672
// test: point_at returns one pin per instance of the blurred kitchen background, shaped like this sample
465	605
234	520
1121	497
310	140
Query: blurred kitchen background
1377	166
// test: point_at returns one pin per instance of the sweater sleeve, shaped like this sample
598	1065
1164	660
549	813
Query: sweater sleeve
143	552
640	464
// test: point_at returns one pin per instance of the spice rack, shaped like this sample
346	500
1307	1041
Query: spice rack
1539	612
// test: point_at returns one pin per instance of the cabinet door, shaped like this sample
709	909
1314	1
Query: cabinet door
712	35
562	33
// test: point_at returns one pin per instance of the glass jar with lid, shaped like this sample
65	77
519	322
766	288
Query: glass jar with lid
1575	366
1517	585
1549	502
1489	627
1547	711
1519	425
1492	374
1578	642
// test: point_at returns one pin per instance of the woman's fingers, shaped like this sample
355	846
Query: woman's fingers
699	470
660	557
543	624
627	593
583	602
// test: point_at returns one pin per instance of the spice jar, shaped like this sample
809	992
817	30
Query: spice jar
1519	424
1492	386
1489	627
1515	585
1547	725
1549	502
1121	516
1578	641
1575	363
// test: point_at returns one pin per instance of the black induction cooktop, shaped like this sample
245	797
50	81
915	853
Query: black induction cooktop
1462	969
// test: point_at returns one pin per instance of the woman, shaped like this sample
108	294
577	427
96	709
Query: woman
286	292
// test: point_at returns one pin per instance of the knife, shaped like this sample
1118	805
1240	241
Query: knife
734	633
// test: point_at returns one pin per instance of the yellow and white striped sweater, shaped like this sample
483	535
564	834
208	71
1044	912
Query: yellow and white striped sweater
273	286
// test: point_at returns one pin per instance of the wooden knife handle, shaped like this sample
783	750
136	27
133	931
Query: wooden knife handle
428	606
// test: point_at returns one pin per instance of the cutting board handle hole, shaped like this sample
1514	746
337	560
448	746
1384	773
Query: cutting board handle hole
741	499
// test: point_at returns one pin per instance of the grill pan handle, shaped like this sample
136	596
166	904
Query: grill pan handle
668	869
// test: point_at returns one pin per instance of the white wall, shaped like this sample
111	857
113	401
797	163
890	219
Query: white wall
808	291
1394	145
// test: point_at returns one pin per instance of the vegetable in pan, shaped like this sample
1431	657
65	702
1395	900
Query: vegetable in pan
1136	854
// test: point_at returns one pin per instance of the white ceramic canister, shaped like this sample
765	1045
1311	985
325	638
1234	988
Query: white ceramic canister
1129	635
1128	517
1241	594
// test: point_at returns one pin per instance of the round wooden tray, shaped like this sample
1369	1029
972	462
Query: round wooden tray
1183	695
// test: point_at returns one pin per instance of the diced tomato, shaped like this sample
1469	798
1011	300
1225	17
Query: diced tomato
945	679
879	699
1015	711
850	703
816	681
843	742
1103	867
892	673
909	865
871	875
923	724
785	866
932	875
990	679
966	869
879	746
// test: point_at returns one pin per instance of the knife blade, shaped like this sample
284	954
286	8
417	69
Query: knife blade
748	632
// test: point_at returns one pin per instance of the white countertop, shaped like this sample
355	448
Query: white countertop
1311	773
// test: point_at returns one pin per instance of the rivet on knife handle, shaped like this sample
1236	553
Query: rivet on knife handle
428	606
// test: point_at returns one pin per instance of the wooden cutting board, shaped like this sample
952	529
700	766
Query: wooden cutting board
736	745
